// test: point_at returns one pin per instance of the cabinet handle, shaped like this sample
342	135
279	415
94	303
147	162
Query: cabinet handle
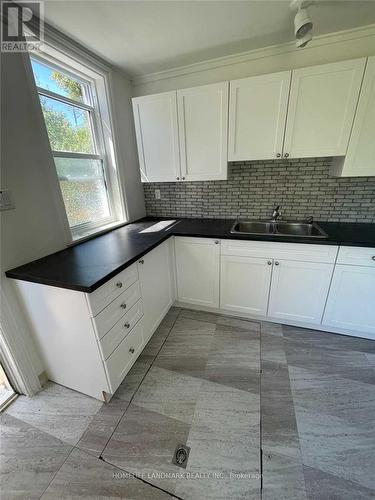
278	155
141	261
373	257
286	155
217	242
123	305
119	284
131	350
269	262
183	178
276	263
127	325
178	178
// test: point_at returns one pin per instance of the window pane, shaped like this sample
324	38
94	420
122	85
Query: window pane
59	82
68	127
83	189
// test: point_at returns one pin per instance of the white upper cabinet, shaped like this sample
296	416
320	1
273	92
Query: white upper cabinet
156	128
190	134
203	129
257	115
360	158
321	110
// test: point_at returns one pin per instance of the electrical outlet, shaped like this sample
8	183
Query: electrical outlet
157	194
6	200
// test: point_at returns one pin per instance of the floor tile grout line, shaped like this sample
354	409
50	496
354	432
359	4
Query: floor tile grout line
203	380
57	471
140	479
63	443
135	392
294	407
127	407
138	386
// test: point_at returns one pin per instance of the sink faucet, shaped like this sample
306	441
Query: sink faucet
276	214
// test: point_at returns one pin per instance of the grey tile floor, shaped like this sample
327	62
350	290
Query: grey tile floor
268	411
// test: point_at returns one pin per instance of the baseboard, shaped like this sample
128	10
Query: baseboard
309	326
43	378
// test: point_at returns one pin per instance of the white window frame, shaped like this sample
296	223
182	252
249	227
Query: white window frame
98	79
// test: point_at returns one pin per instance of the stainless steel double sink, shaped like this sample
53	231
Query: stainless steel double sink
279	228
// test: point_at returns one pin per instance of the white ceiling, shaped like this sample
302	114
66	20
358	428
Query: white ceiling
148	36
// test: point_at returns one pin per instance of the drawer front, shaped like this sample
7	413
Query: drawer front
123	358
357	256
274	250
105	294
121	329
106	319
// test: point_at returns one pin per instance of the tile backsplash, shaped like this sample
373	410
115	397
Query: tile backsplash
302	187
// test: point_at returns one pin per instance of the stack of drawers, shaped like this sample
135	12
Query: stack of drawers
116	310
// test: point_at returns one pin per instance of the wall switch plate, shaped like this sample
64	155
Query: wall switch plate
157	194
6	200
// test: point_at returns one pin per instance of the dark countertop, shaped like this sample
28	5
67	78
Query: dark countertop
88	265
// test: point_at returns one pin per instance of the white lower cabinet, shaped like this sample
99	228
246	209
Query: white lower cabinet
120	330
351	300
299	290
124	356
155	272
197	270
244	284
284	281
90	341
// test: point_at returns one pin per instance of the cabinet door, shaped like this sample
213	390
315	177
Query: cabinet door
257	116
351	302
155	118
156	279
245	283
203	128
321	110
360	158
197	270
299	290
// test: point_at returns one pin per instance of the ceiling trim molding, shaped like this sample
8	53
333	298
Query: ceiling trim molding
60	40
251	55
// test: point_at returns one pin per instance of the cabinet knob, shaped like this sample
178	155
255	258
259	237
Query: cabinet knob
276	263
119	284
178	178
217	242
123	305
131	350
286	155
278	155
127	325
141	261
183	178
269	262
373	257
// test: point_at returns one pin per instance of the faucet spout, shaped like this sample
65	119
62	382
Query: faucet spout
276	214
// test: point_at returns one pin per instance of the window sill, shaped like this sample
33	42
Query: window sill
93	233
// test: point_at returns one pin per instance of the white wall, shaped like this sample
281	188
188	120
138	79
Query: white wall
34	229
324	49
126	146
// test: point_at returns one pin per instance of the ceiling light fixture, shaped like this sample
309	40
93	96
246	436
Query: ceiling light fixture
302	22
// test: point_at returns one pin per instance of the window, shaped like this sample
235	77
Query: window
72	117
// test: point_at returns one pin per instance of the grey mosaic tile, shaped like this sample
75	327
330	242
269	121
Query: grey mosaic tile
303	187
